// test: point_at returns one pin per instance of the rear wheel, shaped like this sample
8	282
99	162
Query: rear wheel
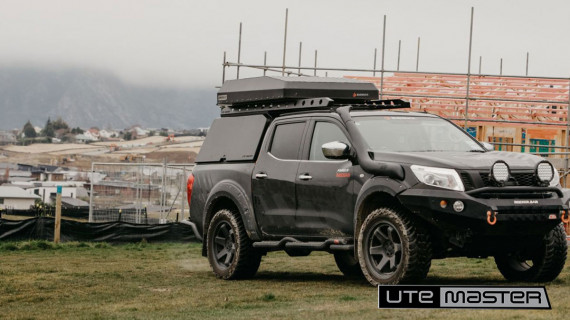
542	265
230	251
348	264
393	248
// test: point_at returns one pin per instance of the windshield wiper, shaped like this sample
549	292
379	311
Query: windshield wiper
477	150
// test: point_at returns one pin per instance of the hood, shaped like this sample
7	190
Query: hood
461	160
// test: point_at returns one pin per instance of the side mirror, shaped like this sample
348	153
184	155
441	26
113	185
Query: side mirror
336	150
487	146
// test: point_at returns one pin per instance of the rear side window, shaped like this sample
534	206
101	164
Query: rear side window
287	140
233	139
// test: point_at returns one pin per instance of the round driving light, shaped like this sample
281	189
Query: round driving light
458	206
500	171
545	172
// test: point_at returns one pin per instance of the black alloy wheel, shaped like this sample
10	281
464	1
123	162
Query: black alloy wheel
229	249
393	247
224	244
384	247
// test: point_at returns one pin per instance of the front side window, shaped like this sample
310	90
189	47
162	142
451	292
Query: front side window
324	132
414	134
286	140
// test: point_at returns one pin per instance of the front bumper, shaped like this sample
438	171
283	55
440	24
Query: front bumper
517	210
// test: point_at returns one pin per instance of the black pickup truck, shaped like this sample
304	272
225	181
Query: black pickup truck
304	164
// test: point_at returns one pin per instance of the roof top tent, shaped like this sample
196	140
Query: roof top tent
286	94
273	89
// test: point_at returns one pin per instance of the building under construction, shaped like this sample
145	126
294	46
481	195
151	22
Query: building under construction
522	114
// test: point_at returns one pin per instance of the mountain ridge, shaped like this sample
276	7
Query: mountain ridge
91	98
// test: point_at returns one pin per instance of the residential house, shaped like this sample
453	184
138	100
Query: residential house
47	190
7	137
43	172
16	198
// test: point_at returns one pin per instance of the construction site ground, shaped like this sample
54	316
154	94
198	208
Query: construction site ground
149	149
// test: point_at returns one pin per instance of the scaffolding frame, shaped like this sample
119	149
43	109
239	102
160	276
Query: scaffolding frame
299	70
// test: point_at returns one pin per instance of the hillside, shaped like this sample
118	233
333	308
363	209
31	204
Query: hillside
88	98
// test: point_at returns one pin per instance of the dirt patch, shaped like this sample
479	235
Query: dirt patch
171	156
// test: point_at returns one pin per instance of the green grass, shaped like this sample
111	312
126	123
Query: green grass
39	280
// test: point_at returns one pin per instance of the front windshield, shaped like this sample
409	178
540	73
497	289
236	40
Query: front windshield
413	134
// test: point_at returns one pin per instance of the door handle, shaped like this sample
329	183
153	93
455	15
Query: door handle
261	175
305	176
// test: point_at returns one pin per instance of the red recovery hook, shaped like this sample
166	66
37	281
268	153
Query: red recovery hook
492	220
564	218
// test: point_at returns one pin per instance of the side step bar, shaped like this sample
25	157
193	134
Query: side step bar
292	243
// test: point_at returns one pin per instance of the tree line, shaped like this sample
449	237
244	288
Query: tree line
52	129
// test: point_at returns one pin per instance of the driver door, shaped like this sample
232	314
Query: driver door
325	200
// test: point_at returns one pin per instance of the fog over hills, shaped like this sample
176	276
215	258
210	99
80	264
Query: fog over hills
88	98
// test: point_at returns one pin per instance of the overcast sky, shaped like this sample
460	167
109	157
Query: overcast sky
168	42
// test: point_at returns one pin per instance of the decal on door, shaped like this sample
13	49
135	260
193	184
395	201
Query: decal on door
343	173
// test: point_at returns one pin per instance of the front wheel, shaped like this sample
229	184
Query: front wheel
543	265
393	248
230	251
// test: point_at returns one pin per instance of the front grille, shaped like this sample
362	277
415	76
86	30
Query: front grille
487	181
525	179
467	181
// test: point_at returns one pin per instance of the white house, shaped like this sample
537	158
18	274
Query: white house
83	138
47	190
140	132
108	134
16	198
92	134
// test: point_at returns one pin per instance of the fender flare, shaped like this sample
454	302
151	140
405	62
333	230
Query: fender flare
373	185
233	191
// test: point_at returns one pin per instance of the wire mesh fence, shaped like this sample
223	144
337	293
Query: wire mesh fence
148	193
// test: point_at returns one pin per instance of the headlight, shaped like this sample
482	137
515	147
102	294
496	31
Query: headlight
438	177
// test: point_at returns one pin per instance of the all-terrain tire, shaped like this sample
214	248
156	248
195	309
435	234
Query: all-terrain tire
348	264
547	262
230	251
393	247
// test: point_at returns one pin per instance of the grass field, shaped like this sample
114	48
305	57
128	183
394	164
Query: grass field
173	281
